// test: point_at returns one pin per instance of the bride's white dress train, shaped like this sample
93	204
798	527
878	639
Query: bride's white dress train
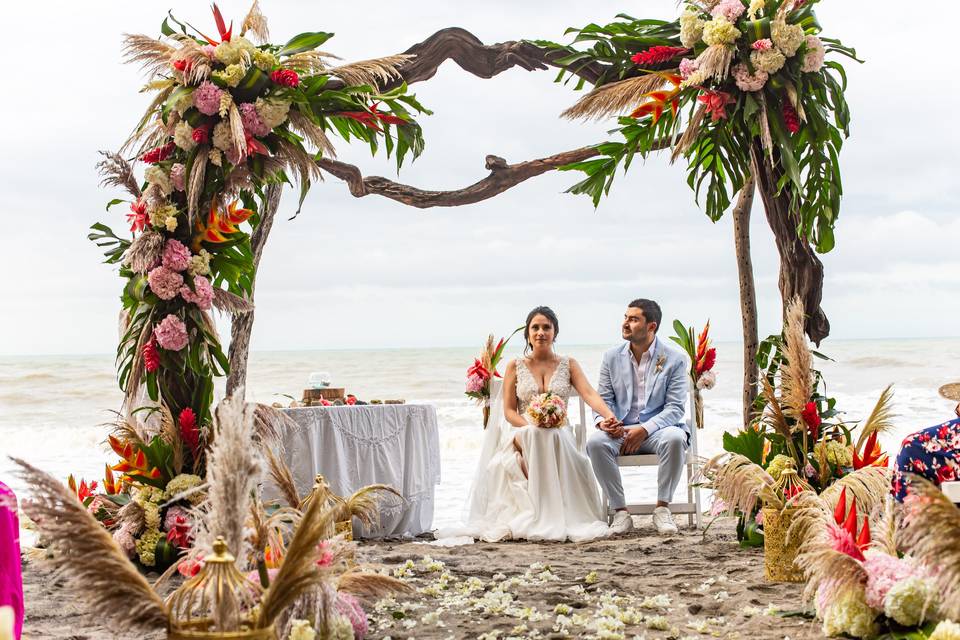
558	500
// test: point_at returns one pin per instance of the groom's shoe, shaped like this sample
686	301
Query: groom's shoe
622	522
663	521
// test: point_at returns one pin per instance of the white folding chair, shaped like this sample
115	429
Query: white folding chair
692	506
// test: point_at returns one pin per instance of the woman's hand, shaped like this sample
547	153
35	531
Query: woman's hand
956	410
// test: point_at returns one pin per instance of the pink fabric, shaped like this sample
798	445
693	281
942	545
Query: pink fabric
11	582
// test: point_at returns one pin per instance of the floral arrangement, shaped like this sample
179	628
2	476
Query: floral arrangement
866	585
793	432
703	356
547	410
231	116
727	79
484	370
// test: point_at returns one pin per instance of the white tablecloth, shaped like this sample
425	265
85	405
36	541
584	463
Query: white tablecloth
352	447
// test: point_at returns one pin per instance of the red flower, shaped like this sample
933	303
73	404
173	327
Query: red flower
370	118
138	217
201	134
872	454
478	370
151	358
790	118
351	400
158	154
946	473
182	65
325	403
658	54
812	417
179	533
285	77
188	429
190	568
716	103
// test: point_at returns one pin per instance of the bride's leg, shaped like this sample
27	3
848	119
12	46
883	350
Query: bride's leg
519	448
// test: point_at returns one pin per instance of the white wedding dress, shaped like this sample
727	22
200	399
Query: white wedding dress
558	502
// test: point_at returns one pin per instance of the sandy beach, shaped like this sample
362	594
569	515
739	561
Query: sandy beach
675	587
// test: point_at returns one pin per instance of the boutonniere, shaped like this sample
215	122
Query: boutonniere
660	362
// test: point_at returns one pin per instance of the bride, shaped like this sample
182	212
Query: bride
533	483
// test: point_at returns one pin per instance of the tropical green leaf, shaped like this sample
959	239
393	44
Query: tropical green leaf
304	42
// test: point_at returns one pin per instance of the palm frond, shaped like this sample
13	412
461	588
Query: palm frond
369	585
881	418
195	184
308	62
283	478
312	132
115	171
230	302
256	23
372	72
931	534
740	482
270	425
137	366
869	485
615	97
796	374
144	252
886	533
774	416
170	433
822	566
690	134
88	558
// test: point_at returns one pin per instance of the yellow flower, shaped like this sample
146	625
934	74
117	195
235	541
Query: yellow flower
787	37
231	75
779	464
264	60
720	31
850	614
691	28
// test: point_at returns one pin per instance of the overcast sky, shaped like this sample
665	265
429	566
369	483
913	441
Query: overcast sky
369	272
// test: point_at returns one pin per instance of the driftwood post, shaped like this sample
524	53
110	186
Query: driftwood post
748	295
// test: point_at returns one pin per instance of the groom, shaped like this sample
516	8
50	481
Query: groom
644	381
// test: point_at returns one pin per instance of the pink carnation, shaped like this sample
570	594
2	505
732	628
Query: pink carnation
176	255
764	44
747	81
164	282
687	67
813	58
178	177
349	607
202	293
729	9
174	512
883	571
474	383
206	98
252	123
171	333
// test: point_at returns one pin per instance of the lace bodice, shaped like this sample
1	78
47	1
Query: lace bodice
528	389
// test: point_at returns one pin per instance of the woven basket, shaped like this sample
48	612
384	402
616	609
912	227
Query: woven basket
778	553
201	630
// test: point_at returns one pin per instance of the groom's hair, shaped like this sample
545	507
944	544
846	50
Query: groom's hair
651	310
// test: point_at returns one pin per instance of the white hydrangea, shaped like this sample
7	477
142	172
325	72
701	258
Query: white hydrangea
199	264
159	178
787	37
183	136
302	630
272	112
691	28
909	601
813	58
850	614
720	31
946	630
231	75
756	6
235	50
768	61
222	138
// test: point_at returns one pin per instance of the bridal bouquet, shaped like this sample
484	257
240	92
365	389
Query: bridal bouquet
548	411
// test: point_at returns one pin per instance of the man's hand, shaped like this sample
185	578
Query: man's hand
634	438
957	410
612	427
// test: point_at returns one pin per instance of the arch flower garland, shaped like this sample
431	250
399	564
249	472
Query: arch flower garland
725	73
228	119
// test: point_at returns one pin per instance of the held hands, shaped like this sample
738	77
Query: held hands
957	410
633	439
612	427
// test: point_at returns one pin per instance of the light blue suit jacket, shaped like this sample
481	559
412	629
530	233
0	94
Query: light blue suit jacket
666	390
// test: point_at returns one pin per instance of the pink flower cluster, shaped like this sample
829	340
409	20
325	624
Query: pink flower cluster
206	98
164	282
171	333
474	383
729	9
349	607
176	255
883	571
764	44
813	58
202	293
747	81
252	123
687	67
178	176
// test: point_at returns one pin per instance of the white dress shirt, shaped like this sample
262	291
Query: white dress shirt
641	374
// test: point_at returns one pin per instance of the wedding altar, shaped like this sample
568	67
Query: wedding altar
355	446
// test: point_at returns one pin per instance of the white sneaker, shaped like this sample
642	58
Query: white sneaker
622	522
663	521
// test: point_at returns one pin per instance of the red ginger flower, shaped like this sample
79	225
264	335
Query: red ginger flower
873	455
151	358
478	370
158	154
657	55
706	355
812	417
716	103
188	429
790	118
285	77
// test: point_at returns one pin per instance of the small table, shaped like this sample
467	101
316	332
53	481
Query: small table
356	446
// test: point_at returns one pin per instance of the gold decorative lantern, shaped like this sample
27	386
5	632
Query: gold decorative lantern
219	602
779	547
321	491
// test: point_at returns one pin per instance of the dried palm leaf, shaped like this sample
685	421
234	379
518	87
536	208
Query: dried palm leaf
256	23
931	534
144	252
715	61
238	137
296	159
308	62
369	585
146	132
822	566
233	473
270	425
88	558
137	367
195	186
615	97
230	303
151	54
283	478
170	433
766	138
870	486
796	374
372	72
126	431
886	533
133	517
880	420
312	132
774	415
740	483
115	171
689	135
237	180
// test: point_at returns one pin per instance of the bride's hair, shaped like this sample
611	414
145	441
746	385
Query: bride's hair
539	311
